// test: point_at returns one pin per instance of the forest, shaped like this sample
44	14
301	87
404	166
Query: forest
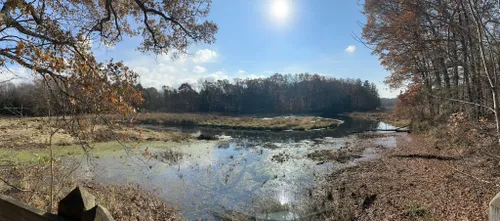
444	53
298	94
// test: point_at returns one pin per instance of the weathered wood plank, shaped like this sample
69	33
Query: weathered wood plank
495	208
77	205
14	210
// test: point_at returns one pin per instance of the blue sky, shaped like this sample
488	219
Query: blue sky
255	41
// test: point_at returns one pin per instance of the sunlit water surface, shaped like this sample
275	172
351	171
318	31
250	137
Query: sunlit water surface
254	175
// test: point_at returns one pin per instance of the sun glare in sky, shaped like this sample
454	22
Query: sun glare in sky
280	10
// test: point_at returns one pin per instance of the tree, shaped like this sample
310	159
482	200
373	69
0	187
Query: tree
444	52
54	38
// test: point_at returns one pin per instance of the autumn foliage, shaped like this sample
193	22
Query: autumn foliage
54	39
443	53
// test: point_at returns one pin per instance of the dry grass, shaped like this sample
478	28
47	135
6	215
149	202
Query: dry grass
244	122
23	133
32	132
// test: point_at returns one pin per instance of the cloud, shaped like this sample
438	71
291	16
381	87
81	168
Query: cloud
199	69
204	56
16	75
162	70
241	71
167	68
350	49
219	75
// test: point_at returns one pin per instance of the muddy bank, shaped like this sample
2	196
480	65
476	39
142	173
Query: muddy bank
421	179
358	146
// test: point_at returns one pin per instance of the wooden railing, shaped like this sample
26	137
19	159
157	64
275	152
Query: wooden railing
78	205
495	208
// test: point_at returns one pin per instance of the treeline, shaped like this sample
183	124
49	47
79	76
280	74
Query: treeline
52	98
447	53
26	99
299	93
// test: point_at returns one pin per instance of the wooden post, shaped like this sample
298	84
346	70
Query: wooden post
75	204
495	208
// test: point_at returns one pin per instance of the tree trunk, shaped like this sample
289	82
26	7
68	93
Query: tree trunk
492	83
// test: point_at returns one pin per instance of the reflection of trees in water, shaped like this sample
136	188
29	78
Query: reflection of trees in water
234	182
349	126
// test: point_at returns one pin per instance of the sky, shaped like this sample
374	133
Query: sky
258	38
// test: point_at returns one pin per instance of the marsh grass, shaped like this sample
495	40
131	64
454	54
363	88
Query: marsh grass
242	122
169	156
112	148
34	133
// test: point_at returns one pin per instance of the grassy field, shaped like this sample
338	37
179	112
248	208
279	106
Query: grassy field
243	123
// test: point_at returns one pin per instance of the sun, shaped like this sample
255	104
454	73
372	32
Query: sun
280	10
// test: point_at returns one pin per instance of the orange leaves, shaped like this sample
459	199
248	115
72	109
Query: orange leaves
58	49
19	48
408	15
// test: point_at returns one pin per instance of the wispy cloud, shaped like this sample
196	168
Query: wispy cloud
351	49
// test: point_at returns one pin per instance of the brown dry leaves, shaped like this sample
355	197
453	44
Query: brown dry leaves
416	188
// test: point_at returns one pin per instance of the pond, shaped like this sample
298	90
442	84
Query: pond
249	176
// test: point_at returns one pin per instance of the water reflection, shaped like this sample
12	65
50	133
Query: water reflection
255	175
349	126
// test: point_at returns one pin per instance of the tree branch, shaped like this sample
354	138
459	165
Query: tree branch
462	101
173	20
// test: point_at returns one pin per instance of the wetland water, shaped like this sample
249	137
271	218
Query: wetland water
248	175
